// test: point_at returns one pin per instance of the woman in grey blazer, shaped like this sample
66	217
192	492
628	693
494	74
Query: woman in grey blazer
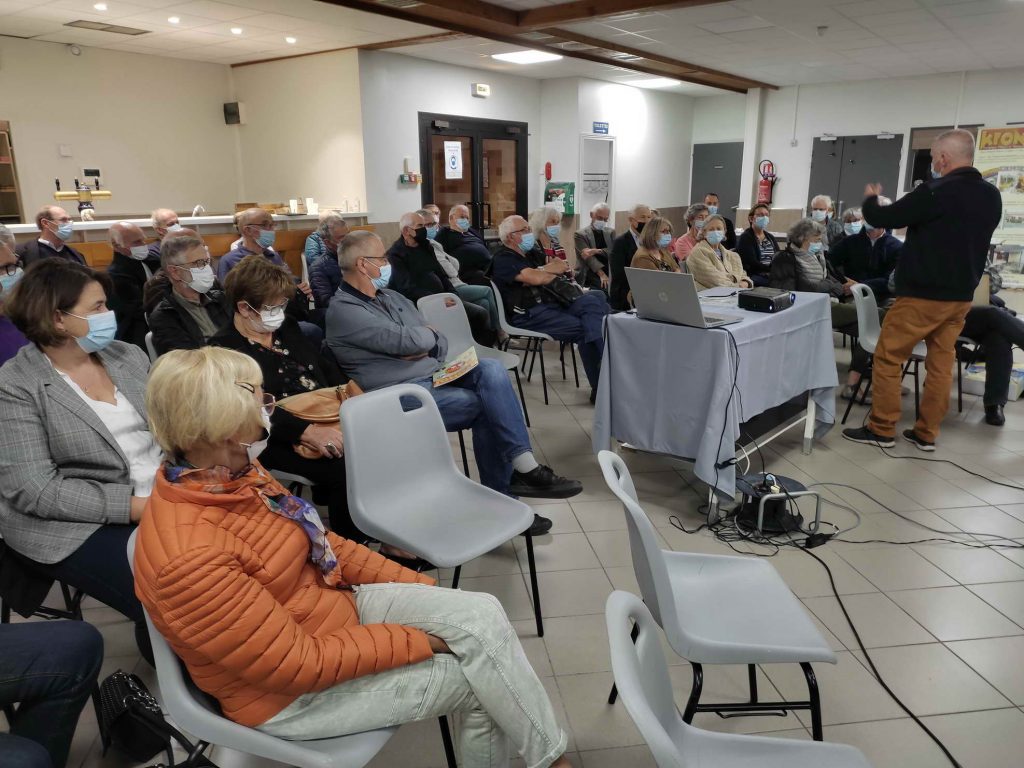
77	461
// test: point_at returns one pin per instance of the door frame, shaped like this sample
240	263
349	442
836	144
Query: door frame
611	174
477	129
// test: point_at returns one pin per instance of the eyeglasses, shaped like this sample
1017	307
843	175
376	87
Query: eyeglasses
11	269
520	231
197	264
269	401
376	258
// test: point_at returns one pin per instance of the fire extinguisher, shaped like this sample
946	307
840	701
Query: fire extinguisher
768	179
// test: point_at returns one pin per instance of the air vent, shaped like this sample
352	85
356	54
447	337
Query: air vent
536	36
100	26
399	3
620	56
574	46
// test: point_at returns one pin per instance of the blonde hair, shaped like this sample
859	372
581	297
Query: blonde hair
198	397
652	231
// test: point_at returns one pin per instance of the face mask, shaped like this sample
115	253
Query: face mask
432	232
553	230
699	224
599	224
853	227
640	226
139	252
64	230
254	449
420	235
102	329
527	242
270	320
266	238
664	239
712	209
462	224
935	174
818	215
814	248
7	281
202	279
175	227
761	221
385	277
715	237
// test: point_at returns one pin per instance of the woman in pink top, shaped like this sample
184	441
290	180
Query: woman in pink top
696	215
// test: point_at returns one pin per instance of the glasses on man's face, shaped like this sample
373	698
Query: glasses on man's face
521	231
197	264
11	269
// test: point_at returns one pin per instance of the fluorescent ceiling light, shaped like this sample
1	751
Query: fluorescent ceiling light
236	30
526	57
173	19
290	40
655	82
100	6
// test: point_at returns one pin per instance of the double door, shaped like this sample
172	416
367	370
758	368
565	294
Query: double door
477	163
841	167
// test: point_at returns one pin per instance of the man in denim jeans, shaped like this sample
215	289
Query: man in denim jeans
381	339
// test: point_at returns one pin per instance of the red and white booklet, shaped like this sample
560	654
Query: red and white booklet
457	368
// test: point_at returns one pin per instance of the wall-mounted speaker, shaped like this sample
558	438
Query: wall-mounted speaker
234	113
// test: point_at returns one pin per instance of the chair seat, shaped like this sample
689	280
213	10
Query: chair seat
738	610
287	479
737	751
510	361
525	333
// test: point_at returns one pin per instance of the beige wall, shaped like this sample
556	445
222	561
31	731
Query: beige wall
153	125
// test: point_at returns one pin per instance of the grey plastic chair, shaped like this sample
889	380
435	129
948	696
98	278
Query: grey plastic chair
404	488
720	609
534	341
151	347
197	714
642	676
446	313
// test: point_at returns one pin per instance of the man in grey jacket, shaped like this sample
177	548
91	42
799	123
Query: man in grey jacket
593	244
381	339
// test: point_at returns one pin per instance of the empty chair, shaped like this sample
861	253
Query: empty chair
534	341
642	676
427	507
720	609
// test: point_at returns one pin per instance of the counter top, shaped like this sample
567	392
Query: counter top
186	221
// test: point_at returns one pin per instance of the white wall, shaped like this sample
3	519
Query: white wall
303	135
396	88
559	134
719	118
153	125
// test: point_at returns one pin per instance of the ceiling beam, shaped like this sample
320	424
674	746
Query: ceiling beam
586	10
419	40
479	8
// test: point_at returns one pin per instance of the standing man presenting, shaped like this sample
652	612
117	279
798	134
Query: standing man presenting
950	221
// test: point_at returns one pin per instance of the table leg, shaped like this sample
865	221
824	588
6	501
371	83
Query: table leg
809	421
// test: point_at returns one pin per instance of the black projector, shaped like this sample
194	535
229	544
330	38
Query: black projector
765	300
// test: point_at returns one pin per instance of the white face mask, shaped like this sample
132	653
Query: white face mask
139	252
175	227
202	279
254	449
599	224
270	320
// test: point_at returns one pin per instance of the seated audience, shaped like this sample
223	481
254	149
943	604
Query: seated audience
711	201
11	339
315	245
521	272
48	669
193	309
823	212
866	254
757	246
593	246
621	256
546	224
324	274
381	339
79	460
258	231
257	293
130	270
164	221
267	611
467	245
998	331
696	216
711	263
55	230
655	251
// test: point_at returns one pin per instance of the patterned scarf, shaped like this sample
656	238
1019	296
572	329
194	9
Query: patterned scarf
222	480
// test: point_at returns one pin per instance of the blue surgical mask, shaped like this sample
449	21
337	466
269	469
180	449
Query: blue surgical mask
819	215
553	230
853	227
384	279
715	237
8	281
266	238
699	223
712	209
935	174
599	224
102	329
664	240
815	248
761	221
64	230
462	224
527	242
432	232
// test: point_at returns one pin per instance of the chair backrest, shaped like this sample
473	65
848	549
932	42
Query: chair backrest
445	312
642	678
151	347
648	561
502	317
393	430
868	326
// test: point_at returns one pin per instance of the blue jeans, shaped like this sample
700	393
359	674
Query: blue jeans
482	296
49	669
483	400
581	323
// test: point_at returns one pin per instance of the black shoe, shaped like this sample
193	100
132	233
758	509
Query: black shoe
994	415
911	436
541	525
542	483
866	436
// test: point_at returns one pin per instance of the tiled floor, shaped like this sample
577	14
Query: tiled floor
944	623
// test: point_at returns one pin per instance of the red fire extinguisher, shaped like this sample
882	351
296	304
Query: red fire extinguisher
768	179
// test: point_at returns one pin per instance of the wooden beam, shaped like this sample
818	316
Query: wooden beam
586	10
420	40
479	8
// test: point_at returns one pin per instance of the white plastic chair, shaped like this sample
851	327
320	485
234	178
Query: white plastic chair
534	341
869	329
197	714
151	347
642	676
720	609
446	313
404	488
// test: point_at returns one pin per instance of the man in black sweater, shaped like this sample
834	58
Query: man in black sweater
950	221
623	248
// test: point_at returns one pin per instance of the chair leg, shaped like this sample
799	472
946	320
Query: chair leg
465	458
455	576
522	397
532	345
575	369
543	373
917	389
446	740
698	685
614	694
561	358
959	382
534	587
752	675
853	398
812	687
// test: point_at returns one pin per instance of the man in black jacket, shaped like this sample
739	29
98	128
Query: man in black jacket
130	270
868	257
623	248
950	221
467	245
55	228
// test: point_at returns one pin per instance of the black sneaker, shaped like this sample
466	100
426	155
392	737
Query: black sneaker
541	525
542	483
866	436
923	445
994	415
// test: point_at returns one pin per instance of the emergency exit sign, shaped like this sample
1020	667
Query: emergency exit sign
601	128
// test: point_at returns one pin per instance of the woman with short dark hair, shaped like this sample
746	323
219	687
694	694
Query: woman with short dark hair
757	246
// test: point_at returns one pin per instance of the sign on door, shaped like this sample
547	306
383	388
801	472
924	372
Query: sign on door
453	159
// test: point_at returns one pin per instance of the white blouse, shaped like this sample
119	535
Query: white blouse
132	434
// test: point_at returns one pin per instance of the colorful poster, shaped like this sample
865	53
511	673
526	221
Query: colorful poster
561	195
1000	158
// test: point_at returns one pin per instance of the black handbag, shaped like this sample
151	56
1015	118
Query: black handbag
562	290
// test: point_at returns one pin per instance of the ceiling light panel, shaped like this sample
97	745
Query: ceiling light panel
526	57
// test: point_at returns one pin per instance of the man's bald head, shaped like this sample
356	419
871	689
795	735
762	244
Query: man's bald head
951	150
254	216
164	220
124	236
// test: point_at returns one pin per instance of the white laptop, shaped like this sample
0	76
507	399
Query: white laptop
671	297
